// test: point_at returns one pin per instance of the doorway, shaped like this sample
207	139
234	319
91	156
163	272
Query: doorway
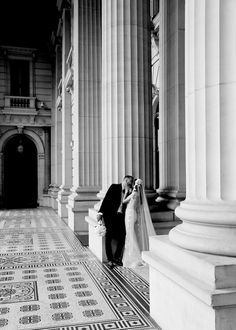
20	173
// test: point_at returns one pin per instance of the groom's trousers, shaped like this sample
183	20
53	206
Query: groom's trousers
115	236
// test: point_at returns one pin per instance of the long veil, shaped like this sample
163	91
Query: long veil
146	227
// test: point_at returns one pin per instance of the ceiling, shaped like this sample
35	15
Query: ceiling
27	23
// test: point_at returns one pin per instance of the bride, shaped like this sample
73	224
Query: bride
139	227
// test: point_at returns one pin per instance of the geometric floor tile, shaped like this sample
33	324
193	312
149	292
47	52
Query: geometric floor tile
50	281
18	292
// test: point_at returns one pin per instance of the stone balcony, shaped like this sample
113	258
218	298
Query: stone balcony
24	110
20	105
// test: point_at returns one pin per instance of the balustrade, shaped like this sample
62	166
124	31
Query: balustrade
20	102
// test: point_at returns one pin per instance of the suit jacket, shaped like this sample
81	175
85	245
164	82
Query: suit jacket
110	205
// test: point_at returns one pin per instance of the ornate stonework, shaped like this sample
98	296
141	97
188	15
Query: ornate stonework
26	120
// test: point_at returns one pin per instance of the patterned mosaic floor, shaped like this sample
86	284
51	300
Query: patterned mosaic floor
49	280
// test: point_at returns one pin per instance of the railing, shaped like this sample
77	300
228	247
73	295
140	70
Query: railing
59	103
20	102
59	93
69	73
59	88
69	60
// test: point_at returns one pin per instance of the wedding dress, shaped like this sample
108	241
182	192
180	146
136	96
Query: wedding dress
139	227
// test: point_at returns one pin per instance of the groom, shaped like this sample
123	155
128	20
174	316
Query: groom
112	210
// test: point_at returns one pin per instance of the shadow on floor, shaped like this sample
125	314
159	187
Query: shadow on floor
82	238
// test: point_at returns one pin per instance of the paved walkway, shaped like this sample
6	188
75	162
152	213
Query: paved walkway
49	280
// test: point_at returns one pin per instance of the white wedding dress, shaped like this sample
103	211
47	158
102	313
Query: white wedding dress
139	227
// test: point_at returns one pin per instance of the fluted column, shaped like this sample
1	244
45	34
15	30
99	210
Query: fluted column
209	211
86	118
57	131
66	121
126	92
171	137
41	176
47	178
127	131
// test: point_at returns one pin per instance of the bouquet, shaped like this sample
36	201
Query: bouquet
100	229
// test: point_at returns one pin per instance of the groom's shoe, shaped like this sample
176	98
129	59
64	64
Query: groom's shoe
118	262
110	265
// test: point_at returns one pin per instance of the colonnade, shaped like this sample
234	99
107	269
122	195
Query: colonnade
107	125
192	271
192	281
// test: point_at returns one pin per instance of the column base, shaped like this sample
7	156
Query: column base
190	290
54	194
163	219
168	199
78	205
207	227
62	202
151	199
96	243
46	200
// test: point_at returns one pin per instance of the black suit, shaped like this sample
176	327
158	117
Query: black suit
114	221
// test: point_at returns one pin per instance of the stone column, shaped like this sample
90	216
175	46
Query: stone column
126	92
127	129
191	289
209	211
171	138
66	122
41	176
86	118
57	132
155	62
47	178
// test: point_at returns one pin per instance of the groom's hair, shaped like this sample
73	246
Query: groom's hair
129	180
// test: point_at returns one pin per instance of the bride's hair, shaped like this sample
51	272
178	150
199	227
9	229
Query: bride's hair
137	183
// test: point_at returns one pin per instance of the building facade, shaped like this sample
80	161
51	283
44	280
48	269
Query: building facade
25	125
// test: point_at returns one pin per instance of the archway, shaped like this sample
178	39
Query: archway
20	173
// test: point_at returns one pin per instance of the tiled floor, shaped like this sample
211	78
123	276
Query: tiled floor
49	280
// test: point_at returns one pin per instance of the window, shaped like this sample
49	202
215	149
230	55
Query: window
19	78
